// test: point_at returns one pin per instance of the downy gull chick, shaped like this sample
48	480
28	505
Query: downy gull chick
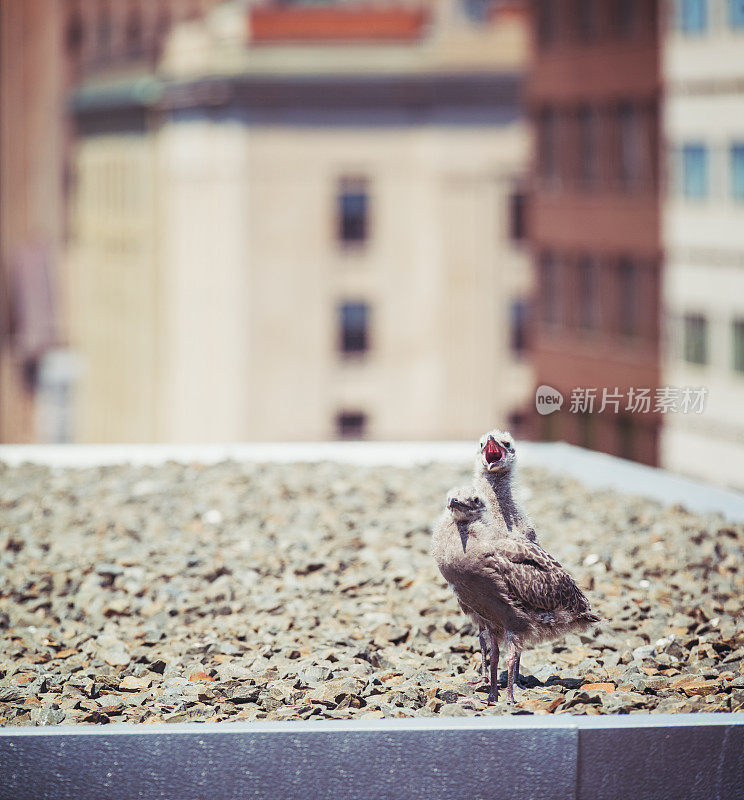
507	583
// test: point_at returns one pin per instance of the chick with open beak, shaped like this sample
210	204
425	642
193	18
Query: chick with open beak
494	470
497	452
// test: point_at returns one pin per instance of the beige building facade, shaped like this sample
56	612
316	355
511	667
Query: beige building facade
298	255
703	222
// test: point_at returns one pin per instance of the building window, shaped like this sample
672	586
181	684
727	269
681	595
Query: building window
353	211
626	16
695	171
351	425
517	216
549	431
589	293
736	14
104	33
738	352
629	133
587	145
549	288
354	323
518	318
585	425
74	34
586	19
693	16
625	437
695	339
548	145
628	297
517	422
134	34
546	21
737	170
476	11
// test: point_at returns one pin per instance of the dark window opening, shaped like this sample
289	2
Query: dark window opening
588	149
517	216
549	288
351	425
695	171
75	35
549	431
548	145
354	332
134	43
589	293
353	212
738	352
585	424
517	422
518	327
586	19
693	16
627	14
630	146
625	437
695	339
737	170
104	34
546	21
736	14
628	297
477	10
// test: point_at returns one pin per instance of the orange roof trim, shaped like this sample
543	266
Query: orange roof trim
277	24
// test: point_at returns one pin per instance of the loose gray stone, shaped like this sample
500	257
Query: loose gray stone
315	595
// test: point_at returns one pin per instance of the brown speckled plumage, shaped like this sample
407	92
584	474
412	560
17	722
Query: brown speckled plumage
502	578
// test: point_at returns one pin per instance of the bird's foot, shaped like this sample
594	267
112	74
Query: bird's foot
483	679
510	696
493	697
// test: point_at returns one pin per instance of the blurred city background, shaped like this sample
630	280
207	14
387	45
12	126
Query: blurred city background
231	220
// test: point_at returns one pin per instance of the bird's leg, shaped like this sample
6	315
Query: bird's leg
512	665
517	682
484	651
493	695
483	639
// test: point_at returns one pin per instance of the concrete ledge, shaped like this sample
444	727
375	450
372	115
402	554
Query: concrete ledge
592	758
693	757
594	469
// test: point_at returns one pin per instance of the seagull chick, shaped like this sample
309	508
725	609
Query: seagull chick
502	579
494	474
464	507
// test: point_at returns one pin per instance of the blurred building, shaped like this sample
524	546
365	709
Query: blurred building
300	222
594	216
46	48
32	136
703	231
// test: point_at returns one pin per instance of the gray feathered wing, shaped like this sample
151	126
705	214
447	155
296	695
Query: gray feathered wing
534	580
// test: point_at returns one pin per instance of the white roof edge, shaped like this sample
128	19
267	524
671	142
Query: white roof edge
423	725
596	470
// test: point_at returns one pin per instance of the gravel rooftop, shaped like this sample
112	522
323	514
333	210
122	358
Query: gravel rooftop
243	591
